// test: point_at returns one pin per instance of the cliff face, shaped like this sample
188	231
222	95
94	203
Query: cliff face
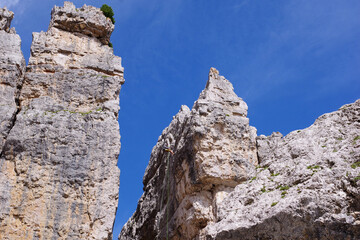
307	185
59	178
214	150
12	69
223	182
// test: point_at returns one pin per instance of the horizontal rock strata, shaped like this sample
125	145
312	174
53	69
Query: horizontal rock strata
58	164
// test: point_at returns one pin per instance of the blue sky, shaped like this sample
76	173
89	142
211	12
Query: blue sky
291	61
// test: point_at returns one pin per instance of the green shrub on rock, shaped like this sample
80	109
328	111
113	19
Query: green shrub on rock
108	12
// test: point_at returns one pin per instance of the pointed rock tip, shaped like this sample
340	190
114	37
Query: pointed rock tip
220	90
216	82
213	72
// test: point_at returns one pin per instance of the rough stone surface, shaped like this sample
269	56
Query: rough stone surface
86	20
214	150
6	17
58	173
306	185
12	69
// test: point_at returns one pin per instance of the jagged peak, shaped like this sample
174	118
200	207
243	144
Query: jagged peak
87	20
216	82
220	91
6	17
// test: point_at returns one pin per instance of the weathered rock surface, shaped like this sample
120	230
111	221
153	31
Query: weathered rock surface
306	185
59	178
214	150
12	69
6	17
86	20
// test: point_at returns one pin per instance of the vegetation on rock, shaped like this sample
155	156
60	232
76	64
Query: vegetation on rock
108	12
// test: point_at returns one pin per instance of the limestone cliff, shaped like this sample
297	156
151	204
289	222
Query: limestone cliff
58	173
223	182
307	185
12	69
214	150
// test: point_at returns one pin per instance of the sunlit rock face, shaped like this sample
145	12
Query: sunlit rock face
214	150
307	185
223	182
58	173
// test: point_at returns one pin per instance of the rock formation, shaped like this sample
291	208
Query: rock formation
12	69
223	182
214	150
307	185
58	173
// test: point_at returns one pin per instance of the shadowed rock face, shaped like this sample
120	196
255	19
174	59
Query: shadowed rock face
12	69
59	178
306	185
214	150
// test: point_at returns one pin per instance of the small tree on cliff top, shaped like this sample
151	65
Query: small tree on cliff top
108	12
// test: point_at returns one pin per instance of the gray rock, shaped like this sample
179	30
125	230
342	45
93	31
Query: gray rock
58	173
6	17
214	150
306	186
86	20
12	69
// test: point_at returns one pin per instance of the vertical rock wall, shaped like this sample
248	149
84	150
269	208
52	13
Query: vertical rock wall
59	159
12	69
214	150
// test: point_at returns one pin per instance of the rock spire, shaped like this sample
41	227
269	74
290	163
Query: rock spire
214	150
59	178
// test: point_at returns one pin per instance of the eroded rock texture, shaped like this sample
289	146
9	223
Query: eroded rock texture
306	185
59	178
12	69
214	150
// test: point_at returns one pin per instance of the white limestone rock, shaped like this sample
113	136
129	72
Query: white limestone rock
214	150
86	20
58	168
306	186
6	17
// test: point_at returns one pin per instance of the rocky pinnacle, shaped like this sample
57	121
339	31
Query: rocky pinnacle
223	182
214	150
58	167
